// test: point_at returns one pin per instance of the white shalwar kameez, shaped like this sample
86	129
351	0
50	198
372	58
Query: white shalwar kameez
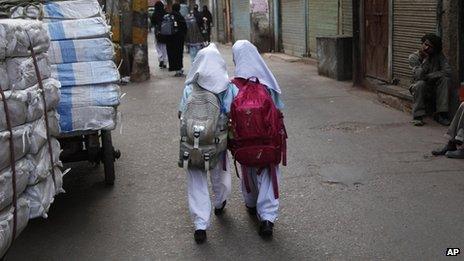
249	63
209	72
162	52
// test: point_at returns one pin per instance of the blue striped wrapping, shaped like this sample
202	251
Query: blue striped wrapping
85	73
85	50
92	95
80	104
87	118
78	29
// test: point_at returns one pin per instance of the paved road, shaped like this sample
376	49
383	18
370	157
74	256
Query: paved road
360	185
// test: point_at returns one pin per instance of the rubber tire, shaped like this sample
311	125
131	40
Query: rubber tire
108	157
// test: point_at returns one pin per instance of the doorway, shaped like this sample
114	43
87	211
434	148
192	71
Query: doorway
376	40
461	41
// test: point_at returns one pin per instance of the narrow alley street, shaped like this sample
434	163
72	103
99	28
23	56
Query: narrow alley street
360	184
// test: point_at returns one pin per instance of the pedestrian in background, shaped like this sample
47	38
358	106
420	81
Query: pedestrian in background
259	185
198	16
207	18
160	40
175	42
207	89
194	39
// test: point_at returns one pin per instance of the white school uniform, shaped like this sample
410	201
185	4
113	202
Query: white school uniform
209	72
249	63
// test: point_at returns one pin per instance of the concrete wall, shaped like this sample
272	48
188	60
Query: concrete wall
450	34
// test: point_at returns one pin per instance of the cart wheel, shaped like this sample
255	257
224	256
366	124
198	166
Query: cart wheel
108	157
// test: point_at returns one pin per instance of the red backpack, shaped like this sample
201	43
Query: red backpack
258	135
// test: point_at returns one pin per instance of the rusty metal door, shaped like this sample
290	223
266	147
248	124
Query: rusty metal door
376	38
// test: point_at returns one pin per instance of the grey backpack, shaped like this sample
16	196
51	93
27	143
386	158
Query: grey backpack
203	131
167	25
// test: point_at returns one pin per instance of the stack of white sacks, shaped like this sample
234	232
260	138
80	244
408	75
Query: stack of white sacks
35	184
81	54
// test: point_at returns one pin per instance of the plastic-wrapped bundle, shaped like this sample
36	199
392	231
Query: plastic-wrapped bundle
27	138
42	195
87	73
38	136
60	10
24	168
78	29
27	105
35	100
87	118
4	80
85	50
17	108
41	162
90	95
21	71
21	146
16	37
6	223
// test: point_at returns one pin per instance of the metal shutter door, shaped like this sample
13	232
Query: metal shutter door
347	17
241	19
293	27
220	21
323	20
411	20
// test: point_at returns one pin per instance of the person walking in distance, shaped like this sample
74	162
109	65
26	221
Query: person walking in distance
194	39
207	18
175	41
160	40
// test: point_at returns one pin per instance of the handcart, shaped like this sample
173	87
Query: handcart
95	146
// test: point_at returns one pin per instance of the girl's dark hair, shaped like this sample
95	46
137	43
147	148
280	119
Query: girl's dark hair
159	5
176	7
435	40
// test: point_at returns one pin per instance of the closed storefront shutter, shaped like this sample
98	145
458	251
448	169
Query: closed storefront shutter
323	20
241	19
220	21
411	20
293	27
347	17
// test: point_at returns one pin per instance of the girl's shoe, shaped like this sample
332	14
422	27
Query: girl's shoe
200	236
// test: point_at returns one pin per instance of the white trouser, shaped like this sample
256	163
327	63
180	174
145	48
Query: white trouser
162	52
261	195
198	194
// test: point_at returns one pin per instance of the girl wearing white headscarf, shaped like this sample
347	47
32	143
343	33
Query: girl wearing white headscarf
261	200
208	72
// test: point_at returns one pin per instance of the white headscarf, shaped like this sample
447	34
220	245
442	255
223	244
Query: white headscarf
209	70
249	63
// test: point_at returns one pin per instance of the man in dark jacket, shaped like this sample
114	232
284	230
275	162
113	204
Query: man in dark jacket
431	78
175	42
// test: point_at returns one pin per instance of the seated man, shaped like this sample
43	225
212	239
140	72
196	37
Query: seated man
431	78
455	137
